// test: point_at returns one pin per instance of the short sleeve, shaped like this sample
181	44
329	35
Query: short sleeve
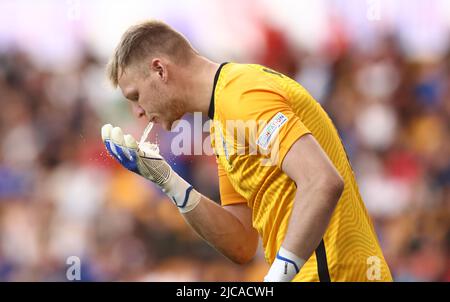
228	194
278	126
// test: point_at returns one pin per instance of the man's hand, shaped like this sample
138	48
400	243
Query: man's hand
151	165
228	229
125	149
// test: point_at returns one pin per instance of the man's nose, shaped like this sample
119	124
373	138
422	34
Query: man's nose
138	111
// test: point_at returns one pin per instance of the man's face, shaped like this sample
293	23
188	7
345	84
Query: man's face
152	94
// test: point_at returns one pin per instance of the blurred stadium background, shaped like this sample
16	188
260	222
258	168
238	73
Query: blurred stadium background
380	68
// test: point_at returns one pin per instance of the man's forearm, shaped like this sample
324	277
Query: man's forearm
310	216
222	230
311	213
319	187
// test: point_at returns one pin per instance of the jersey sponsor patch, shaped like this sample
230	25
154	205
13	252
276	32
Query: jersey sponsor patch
269	132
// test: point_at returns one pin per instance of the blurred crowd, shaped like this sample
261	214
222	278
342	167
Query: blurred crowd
61	195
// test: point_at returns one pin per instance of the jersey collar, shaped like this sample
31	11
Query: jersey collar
211	104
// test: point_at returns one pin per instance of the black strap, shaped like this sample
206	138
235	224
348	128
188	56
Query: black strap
322	264
211	104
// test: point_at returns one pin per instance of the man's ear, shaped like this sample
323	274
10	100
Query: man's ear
158	66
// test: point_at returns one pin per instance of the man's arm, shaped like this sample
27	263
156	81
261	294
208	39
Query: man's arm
319	187
228	229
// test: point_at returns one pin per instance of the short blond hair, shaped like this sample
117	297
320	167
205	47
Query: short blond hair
151	37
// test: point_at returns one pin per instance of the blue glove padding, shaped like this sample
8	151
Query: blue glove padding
149	164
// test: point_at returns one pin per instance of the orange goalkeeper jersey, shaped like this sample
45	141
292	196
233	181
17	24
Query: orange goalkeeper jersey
257	115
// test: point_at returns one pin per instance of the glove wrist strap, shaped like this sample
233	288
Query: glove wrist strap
183	194
285	266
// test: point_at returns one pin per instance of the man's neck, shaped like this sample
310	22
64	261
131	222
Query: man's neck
201	84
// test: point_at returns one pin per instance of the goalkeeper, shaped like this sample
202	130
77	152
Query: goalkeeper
297	192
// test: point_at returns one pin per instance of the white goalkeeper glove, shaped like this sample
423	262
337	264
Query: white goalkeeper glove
284	268
151	165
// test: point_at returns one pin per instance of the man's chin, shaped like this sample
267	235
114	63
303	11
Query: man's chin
168	126
172	125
